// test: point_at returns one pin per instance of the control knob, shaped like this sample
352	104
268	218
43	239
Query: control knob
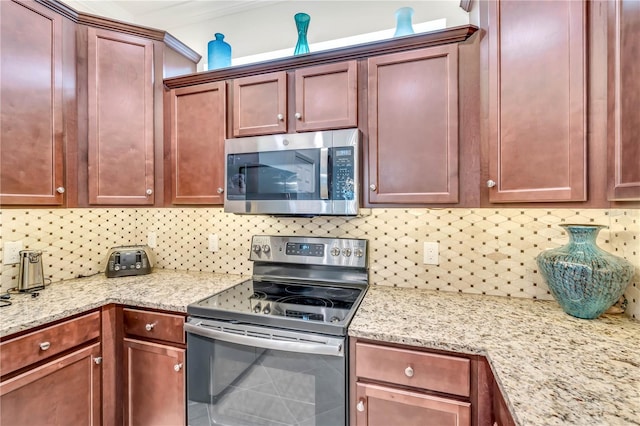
257	248
266	248
358	252
346	252
257	308
334	319
267	309
335	251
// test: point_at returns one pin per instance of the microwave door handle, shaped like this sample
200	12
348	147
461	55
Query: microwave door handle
281	345
324	173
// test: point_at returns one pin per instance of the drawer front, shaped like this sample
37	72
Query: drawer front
42	344
154	325
423	370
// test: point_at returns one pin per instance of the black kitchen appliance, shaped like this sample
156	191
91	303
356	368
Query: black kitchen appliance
272	350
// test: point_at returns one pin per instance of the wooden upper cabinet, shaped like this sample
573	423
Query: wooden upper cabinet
260	104
120	115
537	101
413	126
31	110
198	121
624	99
326	97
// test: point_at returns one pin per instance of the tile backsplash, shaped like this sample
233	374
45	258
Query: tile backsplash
483	251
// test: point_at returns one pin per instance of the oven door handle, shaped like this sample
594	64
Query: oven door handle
336	349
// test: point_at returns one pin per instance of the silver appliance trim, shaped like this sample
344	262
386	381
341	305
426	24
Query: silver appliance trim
267	338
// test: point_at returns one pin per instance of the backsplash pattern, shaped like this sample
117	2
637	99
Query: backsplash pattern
482	251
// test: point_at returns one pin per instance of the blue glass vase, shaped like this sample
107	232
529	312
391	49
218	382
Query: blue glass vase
403	22
302	25
219	53
583	278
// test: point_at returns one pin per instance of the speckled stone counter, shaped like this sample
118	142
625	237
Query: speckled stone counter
162	289
553	369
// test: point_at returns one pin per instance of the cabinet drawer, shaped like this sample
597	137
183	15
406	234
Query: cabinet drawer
154	325
42	344
423	370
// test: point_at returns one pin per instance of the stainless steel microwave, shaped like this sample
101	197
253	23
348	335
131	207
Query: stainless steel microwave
305	174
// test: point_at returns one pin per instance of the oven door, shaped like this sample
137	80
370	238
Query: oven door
249	375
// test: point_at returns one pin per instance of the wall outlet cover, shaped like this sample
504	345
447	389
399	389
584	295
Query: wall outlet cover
11	252
431	253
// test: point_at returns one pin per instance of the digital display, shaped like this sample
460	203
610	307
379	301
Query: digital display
342	152
301	249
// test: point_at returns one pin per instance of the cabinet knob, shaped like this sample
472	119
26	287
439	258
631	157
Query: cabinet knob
149	327
149	191
491	183
45	345
408	371
280	117
60	190
298	115
177	367
220	190
373	187
360	406
98	360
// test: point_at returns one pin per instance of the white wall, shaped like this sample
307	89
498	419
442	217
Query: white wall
269	25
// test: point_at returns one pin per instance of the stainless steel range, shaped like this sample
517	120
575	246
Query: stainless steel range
272	350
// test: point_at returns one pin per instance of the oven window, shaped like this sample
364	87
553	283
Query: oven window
274	175
232	384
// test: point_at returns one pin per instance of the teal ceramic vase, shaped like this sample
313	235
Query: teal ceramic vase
404	15
302	25
218	53
584	279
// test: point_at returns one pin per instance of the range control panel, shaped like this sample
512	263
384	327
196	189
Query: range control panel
309	250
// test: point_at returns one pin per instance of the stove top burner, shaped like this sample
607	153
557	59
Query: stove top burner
306	301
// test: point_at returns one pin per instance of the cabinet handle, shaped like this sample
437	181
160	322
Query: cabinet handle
491	183
60	190
149	191
298	115
45	345
149	327
408	371
220	190
177	367
280	117
98	360
360	406
373	187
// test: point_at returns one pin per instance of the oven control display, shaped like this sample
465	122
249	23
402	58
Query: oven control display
297	249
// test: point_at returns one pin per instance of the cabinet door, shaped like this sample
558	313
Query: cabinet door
65	391
413	126
327	97
31	128
120	97
624	100
383	406
198	119
260	104
537	98
154	384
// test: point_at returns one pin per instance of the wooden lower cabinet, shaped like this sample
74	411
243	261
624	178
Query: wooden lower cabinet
154	384
385	405
64	391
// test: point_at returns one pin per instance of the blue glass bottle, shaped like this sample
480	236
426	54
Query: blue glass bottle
403	21
219	53
302	24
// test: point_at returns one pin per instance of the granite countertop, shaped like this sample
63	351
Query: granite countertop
163	289
553	369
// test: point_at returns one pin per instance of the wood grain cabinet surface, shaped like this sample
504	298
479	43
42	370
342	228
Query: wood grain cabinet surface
31	105
197	117
537	101
121	118
413	127
260	104
399	385
154	375
624	99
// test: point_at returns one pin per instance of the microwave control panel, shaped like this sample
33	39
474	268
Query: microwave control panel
343	173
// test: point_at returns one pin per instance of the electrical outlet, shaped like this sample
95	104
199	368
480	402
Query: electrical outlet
213	243
152	239
431	254
11	252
